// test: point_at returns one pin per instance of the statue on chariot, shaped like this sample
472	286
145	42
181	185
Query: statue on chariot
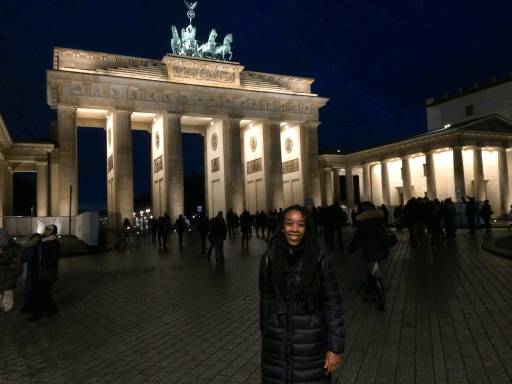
187	45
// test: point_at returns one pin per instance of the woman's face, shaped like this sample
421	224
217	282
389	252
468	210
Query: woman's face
294	227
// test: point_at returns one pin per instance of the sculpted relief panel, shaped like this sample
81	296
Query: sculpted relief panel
61	91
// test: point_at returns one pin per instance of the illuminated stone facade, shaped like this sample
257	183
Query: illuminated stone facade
468	157
254	125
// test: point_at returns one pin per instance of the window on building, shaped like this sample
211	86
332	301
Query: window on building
470	110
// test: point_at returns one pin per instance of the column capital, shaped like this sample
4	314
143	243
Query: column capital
67	106
312	124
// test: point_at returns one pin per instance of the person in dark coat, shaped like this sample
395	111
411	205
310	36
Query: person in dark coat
219	231
203	225
10	269
301	313
164	227
470	212
30	256
180	225
370	235
245	227
47	274
486	215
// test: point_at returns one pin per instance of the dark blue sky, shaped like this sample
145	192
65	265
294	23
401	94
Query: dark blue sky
377	61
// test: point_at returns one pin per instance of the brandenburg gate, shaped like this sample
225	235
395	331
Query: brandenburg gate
259	129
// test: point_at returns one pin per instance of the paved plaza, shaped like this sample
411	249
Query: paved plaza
143	316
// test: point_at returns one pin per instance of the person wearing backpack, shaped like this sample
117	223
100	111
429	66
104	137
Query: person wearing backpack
371	235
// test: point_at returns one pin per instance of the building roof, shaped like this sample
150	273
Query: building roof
66	59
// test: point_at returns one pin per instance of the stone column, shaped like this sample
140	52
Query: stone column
386	194
68	162
123	163
504	181
329	187
235	191
310	158
478	167
3	182
54	184
42	189
173	165
350	187
273	165
9	194
367	183
406	178
458	173
336	193
431	175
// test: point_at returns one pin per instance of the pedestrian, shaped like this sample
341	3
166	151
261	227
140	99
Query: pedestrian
219	232
153	227
470	212
203	225
10	269
435	217
180	225
385	209
164	227
486	215
371	236
30	256
245	227
301	314
231	221
47	267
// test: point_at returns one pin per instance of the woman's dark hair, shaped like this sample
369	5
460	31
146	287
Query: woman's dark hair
308	291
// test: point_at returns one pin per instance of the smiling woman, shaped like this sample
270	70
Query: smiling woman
301	314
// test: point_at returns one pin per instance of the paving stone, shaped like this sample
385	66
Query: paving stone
140	315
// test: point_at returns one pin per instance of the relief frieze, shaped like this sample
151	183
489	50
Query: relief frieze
118	92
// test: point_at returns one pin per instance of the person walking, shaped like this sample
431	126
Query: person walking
435	217
301	312
164	227
486	215
47	273
180	225
245	227
219	232
29	255
202	226
231	222
10	269
449	218
470	212
371	236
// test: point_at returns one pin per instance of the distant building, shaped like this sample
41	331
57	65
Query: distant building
465	151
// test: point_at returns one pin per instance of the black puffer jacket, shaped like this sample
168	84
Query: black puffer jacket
48	268
296	339
371	236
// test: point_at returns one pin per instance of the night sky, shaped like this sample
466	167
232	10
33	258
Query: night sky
377	61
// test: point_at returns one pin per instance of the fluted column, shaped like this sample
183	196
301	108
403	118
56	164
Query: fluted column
235	194
173	166
406	178
3	181
42	189
310	158
123	163
458	173
350	187
367	183
386	194
336	193
431	175
478	167
503	180
328	187
54	184
68	162
273	165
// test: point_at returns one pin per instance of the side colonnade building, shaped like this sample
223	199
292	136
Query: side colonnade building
467	150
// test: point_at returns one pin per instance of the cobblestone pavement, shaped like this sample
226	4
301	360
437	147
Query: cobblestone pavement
142	316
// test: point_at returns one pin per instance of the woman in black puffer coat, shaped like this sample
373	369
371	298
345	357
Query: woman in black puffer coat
301	314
